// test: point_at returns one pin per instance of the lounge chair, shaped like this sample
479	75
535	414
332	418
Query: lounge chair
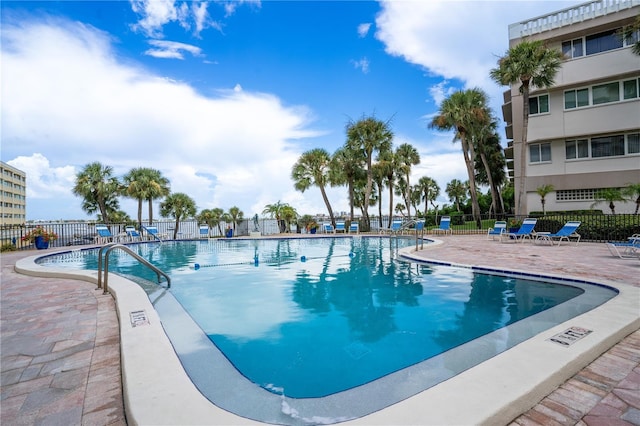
445	226
204	231
395	228
328	228
525	231
340	226
498	228
354	227
626	250
567	232
131	233
153	234
104	234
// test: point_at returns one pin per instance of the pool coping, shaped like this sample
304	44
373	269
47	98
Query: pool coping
158	391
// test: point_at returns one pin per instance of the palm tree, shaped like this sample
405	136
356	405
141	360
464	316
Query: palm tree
378	181
312	168
347	168
407	156
494	154
457	192
99	188
368	136
236	215
485	138
289	215
429	190
275	212
179	206
389	167
135	186
609	195
157	187
209	217
542	191
463	111
529	63
632	191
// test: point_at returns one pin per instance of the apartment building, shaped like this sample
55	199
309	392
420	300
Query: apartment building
584	132
13	202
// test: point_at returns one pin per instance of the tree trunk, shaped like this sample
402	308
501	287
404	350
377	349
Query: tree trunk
475	207
523	148
326	202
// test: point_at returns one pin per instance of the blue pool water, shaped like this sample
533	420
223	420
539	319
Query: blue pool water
310	318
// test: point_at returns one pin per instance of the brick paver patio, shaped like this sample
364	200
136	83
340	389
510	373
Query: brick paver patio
60	358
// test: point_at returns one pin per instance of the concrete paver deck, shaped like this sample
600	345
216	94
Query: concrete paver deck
61	356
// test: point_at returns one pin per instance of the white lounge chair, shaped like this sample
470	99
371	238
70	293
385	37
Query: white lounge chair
445	226
498	228
525	231
567	232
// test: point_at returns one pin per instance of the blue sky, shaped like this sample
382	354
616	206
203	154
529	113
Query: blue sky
223	97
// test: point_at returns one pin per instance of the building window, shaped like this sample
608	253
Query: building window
633	143
605	93
573	48
576	98
602	42
577	149
539	152
630	89
539	104
607	146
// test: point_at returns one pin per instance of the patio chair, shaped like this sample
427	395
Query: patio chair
153	234
204	231
626	250
132	234
395	228
104	235
340	226
328	228
525	231
354	227
445	226
567	232
498	228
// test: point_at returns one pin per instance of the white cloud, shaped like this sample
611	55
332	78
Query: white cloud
456	39
362	64
171	49
67	97
363	29
154	15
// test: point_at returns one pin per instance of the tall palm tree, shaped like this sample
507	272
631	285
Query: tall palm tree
312	168
429	190
179	206
632	190
99	188
369	136
389	167
135	186
407	156
347	168
457	192
462	112
543	191
482	137
379	176
529	63
275	212
494	154
236	216
157	187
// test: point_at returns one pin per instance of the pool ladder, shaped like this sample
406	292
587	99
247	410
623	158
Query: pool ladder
107	249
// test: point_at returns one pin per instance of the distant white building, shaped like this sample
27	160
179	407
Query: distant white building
13	200
584	132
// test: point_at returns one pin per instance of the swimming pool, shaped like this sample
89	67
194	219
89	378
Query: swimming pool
324	263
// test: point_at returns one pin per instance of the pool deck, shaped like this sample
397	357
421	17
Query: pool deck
60	341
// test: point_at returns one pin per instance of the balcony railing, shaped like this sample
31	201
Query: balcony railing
569	16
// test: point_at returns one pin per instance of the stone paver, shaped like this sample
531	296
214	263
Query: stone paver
60	359
60	351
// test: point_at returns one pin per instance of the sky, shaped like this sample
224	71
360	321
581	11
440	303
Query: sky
223	97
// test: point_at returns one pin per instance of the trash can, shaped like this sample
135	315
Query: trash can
229	233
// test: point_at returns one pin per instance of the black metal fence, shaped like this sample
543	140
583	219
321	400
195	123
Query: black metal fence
593	227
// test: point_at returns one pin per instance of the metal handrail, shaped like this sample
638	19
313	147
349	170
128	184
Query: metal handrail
112	246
